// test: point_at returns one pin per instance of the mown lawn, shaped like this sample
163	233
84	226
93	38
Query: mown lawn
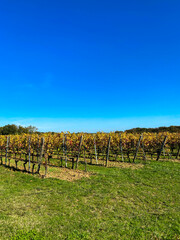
115	203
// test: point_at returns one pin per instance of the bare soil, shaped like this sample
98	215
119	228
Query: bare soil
67	174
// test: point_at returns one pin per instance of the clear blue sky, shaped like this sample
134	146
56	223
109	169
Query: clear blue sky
90	65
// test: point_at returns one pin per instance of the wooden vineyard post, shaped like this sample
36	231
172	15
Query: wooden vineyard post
162	147
108	148
178	152
9	158
95	150
7	147
85	161
137	147
46	163
29	152
79	151
38	150
121	148
41	155
61	161
72	162
65	151
63	143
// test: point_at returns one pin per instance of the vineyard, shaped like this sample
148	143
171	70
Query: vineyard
70	149
90	186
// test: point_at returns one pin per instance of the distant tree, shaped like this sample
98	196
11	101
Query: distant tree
13	129
32	129
22	129
9	129
154	130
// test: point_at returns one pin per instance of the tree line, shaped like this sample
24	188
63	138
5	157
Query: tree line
12	129
171	129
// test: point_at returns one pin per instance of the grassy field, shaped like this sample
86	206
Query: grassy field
114	203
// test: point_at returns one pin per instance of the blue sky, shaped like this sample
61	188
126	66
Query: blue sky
90	65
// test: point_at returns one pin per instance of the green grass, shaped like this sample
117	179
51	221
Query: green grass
114	203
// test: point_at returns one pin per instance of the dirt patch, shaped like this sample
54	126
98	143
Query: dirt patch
122	164
126	165
170	160
72	175
67	174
